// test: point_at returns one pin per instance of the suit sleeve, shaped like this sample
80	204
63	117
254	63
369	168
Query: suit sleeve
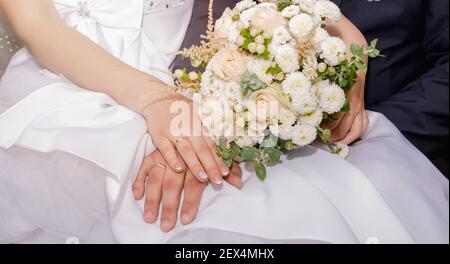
421	108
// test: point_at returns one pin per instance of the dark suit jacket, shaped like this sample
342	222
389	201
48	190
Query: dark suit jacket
409	85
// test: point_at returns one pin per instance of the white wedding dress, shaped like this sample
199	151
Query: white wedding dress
68	157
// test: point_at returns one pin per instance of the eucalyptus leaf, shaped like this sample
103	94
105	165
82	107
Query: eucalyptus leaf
261	171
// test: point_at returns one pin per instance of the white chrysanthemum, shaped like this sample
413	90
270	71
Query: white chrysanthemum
285	132
246	141
274	47
275	130
331	97
331	48
306	5
304	103
281	35
342	150
260	67
286	57
319	36
290	11
296	83
286	117
244	5
217	117
303	135
232	91
301	25
327	9
313	118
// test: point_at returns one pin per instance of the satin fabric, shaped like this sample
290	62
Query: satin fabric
68	157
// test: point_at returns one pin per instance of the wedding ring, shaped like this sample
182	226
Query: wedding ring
161	165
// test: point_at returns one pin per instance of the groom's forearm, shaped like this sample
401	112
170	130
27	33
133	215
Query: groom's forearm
66	51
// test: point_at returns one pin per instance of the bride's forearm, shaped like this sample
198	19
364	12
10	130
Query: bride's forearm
65	51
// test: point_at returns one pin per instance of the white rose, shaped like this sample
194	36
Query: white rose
229	65
244	5
225	28
265	100
224	24
267	19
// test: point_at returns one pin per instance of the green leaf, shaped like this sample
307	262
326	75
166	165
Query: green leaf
289	145
228	162
251	82
274	70
361	66
356	50
270	140
343	82
374	53
223	143
260	170
373	43
346	107
282	4
250	153
235	150
273	154
328	117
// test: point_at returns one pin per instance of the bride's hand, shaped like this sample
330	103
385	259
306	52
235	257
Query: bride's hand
194	146
160	184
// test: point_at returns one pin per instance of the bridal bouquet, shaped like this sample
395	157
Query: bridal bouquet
269	75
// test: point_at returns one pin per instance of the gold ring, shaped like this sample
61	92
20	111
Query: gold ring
161	165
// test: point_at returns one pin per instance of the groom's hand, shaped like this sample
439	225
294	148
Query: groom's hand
349	127
163	186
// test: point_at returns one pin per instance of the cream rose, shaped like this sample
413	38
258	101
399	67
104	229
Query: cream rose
229	65
264	99
267	19
224	24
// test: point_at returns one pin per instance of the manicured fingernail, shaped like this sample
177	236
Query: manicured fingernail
202	175
178	167
149	216
225	172
185	218
218	181
166	225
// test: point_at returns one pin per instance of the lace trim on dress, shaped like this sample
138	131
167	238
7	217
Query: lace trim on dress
151	6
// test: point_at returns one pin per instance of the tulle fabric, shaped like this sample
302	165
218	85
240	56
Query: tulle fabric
68	157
